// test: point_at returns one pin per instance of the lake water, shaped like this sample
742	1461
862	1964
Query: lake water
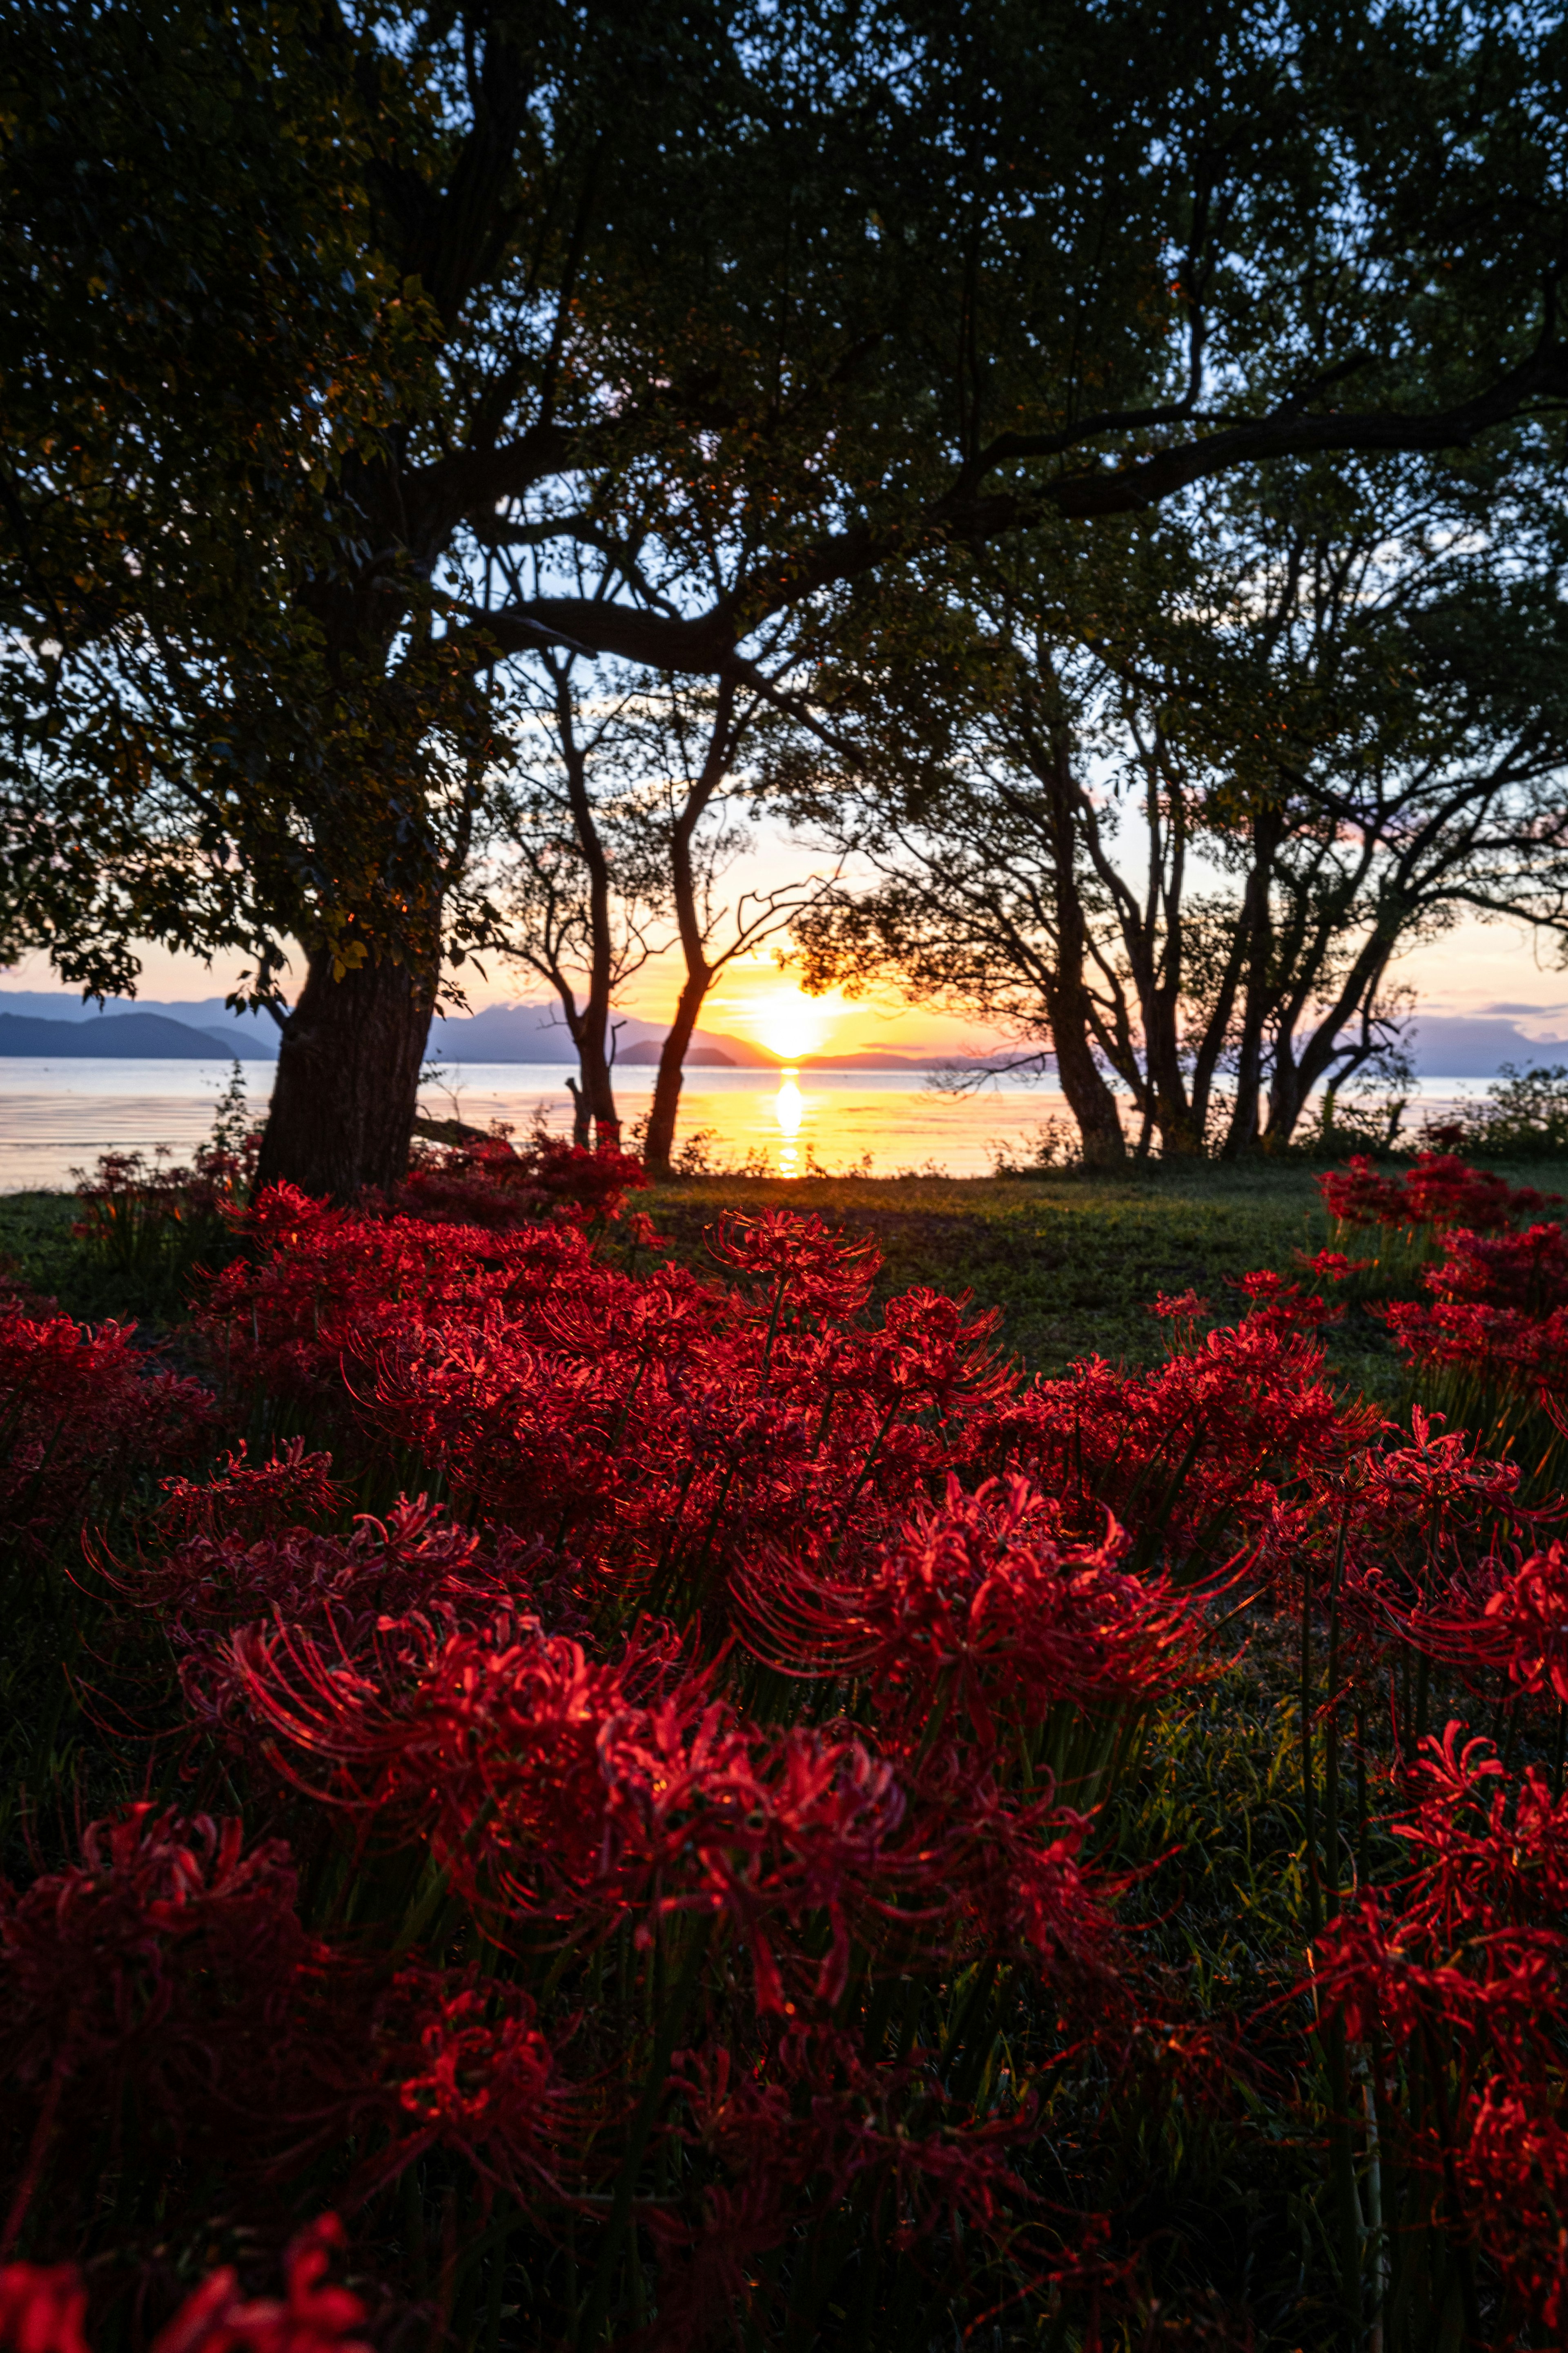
57	1116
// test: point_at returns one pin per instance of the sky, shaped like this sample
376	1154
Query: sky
1478	968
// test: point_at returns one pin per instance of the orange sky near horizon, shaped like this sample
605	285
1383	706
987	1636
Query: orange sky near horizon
1476	969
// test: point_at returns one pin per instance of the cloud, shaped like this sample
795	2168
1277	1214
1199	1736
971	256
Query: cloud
1529	1012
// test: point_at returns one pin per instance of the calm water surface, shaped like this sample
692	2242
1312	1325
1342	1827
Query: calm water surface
57	1116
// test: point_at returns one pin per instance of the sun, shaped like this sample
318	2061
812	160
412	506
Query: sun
788	1023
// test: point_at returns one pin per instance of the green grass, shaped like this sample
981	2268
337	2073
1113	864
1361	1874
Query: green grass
1071	1259
34	1238
37	1248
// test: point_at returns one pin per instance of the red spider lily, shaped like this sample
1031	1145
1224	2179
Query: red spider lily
1528	1271
1280	1305
488	1182
1440	1190
1511	2165
1461	1970
848	2117
247	1499
1401	1530
448	1727
767	1827
1501	1309
346	1588
43	2308
1475	1946
980	1599
1331	1265
312	2316
101	1960
162	1984
1011	1869
1184	1311
931	1355
1501	1620
797	1263
810	2125
485	2083
1498	1344
318	1279
127	1188
1195	1447
79	1417
549	1788
649	1424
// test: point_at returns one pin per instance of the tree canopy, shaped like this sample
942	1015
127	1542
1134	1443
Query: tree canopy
317	315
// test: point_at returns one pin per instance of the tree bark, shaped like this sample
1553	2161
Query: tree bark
348	1080
1256	926
659	1143
591	1028
1089	1098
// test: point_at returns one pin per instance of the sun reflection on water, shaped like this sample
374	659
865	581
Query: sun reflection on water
789	1110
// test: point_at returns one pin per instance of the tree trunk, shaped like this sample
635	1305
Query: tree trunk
348	1080
1257	926
591	1031
1089	1100
659	1143
593	1062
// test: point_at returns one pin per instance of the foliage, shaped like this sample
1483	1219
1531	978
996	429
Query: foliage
1525	1116
320	313
1338	691
146	1229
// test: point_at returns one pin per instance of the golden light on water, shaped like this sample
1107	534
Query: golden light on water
789	1110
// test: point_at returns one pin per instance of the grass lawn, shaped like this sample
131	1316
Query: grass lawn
1071	1259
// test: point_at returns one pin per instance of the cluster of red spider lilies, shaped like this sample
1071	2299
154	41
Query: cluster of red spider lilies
633	1758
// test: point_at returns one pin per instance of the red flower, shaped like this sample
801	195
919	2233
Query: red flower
249	1499
81	1418
1440	1190
312	2316
797	1263
42	2308
982	1593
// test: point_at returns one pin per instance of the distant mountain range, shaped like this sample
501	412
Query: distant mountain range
50	1024
129	1037
41	1023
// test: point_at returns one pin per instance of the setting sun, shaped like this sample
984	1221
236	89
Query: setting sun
787	1022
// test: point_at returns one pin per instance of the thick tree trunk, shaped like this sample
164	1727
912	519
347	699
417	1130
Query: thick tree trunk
1089	1100
348	1080
660	1144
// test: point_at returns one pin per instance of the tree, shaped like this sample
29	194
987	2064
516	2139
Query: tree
893	281
249	725
579	876
1186	846
692	748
